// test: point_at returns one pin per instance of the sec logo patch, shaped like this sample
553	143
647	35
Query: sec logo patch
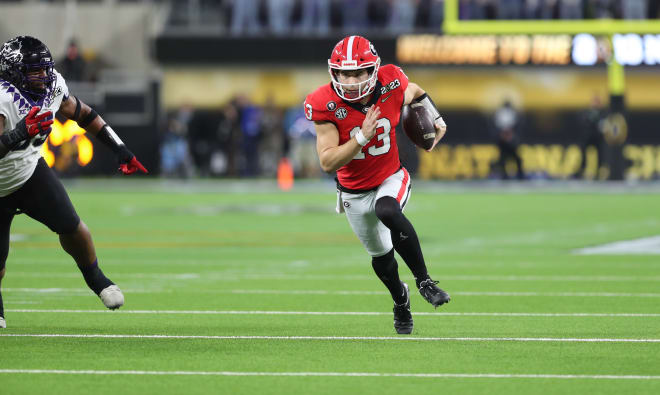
341	113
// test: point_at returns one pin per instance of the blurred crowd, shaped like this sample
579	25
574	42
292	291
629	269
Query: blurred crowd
240	139
558	9
78	65
319	17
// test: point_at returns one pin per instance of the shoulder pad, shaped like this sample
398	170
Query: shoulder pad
321	104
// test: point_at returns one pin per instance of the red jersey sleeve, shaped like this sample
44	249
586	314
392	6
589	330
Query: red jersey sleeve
390	73
319	105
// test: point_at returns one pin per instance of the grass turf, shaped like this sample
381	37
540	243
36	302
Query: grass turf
208	252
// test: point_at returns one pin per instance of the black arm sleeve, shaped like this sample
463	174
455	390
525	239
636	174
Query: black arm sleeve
110	139
89	118
11	139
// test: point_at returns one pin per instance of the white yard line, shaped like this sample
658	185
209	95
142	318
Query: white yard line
219	276
86	292
461	293
330	313
75	291
329	374
337	338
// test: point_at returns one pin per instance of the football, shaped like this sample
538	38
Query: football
418	126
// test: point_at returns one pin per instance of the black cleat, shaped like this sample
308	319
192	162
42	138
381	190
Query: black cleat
434	295
403	321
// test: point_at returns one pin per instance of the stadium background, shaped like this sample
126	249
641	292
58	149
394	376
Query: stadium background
233	286
213	88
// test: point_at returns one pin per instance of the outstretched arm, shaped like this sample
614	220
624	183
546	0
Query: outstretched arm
416	96
88	119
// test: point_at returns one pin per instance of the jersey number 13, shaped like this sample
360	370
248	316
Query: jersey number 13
383	128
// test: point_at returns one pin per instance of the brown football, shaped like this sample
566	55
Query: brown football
418	125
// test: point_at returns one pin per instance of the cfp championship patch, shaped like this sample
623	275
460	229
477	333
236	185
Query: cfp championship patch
341	113
331	106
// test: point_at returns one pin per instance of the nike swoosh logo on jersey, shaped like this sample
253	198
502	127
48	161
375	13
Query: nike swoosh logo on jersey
385	98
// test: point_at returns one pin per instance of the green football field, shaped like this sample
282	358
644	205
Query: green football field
236	288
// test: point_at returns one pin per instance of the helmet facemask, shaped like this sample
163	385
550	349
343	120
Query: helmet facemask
364	88
35	82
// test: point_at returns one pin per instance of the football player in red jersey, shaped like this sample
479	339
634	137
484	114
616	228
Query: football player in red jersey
355	118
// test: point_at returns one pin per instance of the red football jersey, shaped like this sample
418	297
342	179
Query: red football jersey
378	159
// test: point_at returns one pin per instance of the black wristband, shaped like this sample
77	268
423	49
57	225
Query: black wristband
124	154
89	118
14	137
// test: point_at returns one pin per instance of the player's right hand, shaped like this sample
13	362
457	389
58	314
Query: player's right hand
128	163
38	124
370	122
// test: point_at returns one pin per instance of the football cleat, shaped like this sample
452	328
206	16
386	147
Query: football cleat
112	297
403	321
432	294
3	323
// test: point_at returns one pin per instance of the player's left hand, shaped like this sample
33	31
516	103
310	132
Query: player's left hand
440	130
128	163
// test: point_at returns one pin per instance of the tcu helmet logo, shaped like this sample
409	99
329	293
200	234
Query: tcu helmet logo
331	106
341	113
11	53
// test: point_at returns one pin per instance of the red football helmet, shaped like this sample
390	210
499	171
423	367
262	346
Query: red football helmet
354	53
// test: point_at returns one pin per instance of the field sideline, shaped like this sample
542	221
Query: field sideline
235	287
